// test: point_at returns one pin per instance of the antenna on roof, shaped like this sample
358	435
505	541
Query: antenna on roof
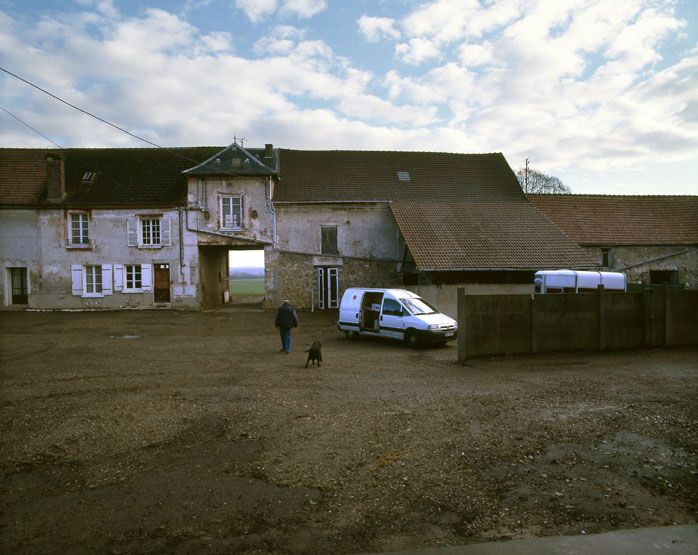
241	139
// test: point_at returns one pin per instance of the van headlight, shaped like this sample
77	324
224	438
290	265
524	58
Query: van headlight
433	327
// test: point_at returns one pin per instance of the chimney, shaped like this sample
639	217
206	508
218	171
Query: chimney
55	178
268	151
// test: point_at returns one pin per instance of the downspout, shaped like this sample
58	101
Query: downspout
274	241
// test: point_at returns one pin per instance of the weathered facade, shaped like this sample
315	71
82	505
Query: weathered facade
652	239
139	228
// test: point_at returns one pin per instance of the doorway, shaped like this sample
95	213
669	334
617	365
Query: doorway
20	286
246	275
328	287
162	283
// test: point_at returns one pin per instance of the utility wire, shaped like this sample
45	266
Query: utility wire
173	151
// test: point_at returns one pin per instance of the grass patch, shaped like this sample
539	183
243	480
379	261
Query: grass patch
247	287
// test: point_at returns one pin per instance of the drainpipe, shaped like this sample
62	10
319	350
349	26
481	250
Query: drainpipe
275	243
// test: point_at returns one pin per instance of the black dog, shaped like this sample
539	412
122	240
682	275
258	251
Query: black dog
314	354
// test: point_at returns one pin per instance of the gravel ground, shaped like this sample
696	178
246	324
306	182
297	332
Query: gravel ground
151	431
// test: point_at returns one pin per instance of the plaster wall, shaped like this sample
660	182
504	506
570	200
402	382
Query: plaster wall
364	231
53	256
19	248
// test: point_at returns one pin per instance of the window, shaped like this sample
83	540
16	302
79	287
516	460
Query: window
91	280
404	176
231	212
133	277
148	232
329	239
606	257
392	307
79	229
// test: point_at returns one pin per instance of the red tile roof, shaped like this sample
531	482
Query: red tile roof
22	175
461	235
124	176
623	220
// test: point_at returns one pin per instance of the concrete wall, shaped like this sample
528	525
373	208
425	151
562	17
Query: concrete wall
507	324
686	264
43	238
445	297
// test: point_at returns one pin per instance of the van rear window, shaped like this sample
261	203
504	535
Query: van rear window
418	306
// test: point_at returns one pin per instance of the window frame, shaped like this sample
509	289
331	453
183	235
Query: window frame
130	283
141	226
150	229
229	199
83	219
606	257
95	272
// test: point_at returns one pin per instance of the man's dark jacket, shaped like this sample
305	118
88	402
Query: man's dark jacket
286	317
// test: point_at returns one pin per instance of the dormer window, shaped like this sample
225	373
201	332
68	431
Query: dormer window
89	177
404	176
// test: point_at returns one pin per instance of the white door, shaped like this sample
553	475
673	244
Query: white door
391	319
328	287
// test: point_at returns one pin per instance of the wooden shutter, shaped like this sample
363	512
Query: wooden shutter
132	232
118	277
146	277
165	233
76	277
329	239
106	280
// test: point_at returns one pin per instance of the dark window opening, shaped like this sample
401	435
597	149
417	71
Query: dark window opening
660	277
606	257
329	239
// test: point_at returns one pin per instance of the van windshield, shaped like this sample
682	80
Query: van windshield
418	306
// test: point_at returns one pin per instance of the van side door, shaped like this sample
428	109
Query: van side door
392	318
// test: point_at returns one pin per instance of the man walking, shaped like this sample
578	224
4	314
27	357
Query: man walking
286	318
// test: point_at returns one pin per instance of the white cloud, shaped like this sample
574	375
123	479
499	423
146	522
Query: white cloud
376	28
256	9
416	51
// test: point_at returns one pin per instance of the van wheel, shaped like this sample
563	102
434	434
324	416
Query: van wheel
350	334
411	339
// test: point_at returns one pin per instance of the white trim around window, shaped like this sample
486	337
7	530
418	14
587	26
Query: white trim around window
91	280
79	230
230	212
133	278
149	232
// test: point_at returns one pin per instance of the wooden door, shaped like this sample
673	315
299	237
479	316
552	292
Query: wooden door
162	283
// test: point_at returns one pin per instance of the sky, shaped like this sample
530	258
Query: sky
600	93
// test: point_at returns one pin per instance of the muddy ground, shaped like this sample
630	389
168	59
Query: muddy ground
151	431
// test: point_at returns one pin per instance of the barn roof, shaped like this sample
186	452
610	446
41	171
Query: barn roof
623	220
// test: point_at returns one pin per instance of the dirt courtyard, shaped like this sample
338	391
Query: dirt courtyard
188	432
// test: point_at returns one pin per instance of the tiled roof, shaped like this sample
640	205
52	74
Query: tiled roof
345	175
22	175
123	176
461	235
623	220
236	160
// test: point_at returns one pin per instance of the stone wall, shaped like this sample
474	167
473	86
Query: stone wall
642	259
293	276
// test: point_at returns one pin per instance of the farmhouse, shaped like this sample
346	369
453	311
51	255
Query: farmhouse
136	228
653	239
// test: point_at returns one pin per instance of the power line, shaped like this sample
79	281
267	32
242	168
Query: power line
30	127
173	151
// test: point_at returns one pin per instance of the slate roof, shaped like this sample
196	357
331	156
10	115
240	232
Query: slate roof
623	220
236	160
346	175
460	235
124	176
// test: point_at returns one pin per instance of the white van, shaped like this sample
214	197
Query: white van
394	313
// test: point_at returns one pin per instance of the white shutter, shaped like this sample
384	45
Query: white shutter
165	234
76	276
146	277
106	280
321	288
118	277
132	232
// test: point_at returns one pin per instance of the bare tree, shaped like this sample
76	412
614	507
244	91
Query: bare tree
534	181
